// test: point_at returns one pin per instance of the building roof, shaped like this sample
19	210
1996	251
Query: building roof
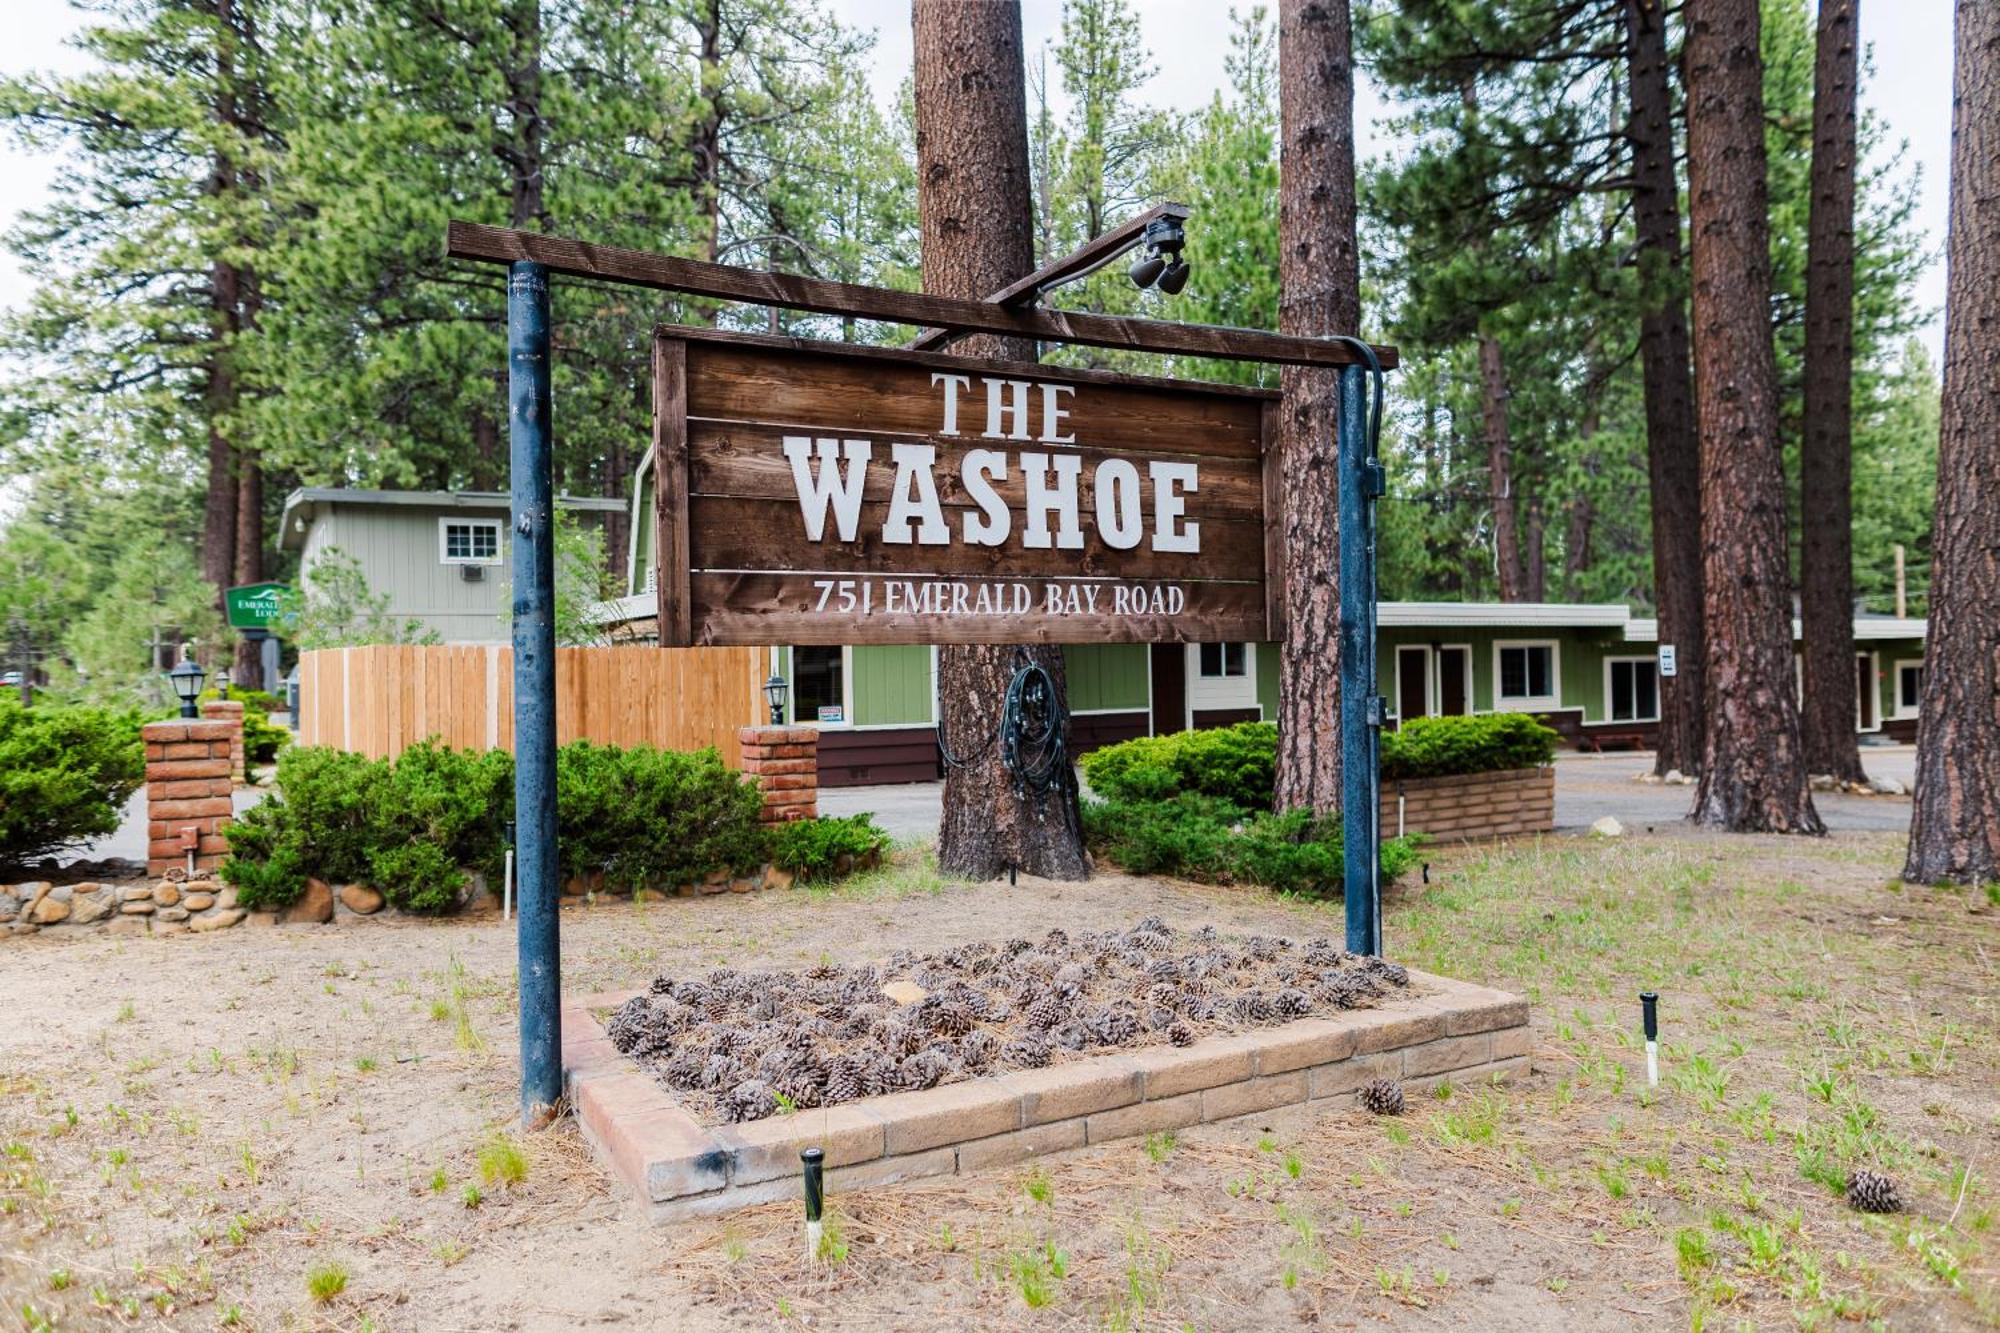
1504	615
1867	629
307	502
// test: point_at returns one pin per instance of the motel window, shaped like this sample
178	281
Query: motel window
1223	659
474	541
819	686
1635	689
1527	672
1909	686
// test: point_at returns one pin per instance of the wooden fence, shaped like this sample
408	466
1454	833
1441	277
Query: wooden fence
379	700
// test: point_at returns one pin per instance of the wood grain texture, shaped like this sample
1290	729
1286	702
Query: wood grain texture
640	268
670	486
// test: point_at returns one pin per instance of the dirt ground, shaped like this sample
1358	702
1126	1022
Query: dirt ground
197	1130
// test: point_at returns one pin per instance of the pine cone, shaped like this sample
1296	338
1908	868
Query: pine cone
1293	1003
1393	973
1322	952
1164	969
1112	1026
1045	1012
1251	1007
922	1070
843	1080
1070	979
822	971
1145	941
766	1009
627	1023
903	1038
978	1049
878	1076
1071	1036
1028	1050
752	1099
1155	925
1873	1192
719	1071
1382	1096
661	986
1180	1033
953	1019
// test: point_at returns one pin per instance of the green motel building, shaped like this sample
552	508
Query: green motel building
1592	671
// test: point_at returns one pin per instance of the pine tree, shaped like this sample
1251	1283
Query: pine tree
1753	776
1955	817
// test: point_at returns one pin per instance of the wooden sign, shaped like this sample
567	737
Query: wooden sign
825	493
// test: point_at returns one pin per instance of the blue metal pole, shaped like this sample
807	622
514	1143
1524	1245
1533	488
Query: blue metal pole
531	457
1360	706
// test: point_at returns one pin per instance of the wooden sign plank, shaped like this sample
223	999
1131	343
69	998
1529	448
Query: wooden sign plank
819	493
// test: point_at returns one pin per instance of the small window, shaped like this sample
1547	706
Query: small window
1223	659
469	541
1909	687
1635	690
1527	672
819	686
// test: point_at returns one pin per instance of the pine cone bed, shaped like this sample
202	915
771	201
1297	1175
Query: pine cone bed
739	1045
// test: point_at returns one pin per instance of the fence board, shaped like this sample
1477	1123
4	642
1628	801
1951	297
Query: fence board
381	699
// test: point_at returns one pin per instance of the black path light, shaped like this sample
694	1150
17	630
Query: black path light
186	678
775	690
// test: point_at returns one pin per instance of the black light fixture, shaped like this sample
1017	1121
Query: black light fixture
775	690
222	683
186	678
1162	264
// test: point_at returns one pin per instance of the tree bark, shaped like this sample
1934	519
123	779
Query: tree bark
1672	452
1493	396
1753	775
1534	554
1319	285
219	393
975	216
1955	821
1826	540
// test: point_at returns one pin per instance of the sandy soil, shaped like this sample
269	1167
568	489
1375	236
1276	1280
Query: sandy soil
194	1125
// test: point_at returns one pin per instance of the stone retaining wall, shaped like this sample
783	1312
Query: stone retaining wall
170	907
1509	804
678	1167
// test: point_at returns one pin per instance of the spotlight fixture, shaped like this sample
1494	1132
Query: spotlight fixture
1164	241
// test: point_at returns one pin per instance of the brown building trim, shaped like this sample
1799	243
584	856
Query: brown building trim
860	758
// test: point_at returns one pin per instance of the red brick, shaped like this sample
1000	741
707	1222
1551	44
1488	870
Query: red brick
163	732
164	849
787	782
213	844
182	789
210	806
155	750
185	750
807	766
170	770
208	731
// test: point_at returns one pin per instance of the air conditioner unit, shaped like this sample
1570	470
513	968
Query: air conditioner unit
472	573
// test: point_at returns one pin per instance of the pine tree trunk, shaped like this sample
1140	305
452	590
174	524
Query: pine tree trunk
1319	285
1955	822
219	394
1534	556
1826	541
1672	452
1493	396
1753	776
976	220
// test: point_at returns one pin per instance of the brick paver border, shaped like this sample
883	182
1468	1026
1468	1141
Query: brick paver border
679	1167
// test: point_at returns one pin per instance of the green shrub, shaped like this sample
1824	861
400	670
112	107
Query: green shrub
648	816
417	877
1202	838
1431	747
812	848
1234	764
456	802
330	800
65	774
262	739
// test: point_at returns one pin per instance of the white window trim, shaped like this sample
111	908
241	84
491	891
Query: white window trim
1249	671
1899	713
1874	670
499	539
1191	655
846	722
1539	703
1653	662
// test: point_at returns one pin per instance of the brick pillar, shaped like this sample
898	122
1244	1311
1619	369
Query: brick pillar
230	711
188	766
785	762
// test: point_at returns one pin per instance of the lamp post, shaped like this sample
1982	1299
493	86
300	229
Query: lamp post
775	690
186	678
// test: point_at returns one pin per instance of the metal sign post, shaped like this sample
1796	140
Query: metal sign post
1361	483
531	458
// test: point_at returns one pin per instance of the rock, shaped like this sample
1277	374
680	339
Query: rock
1887	787
171	914
171	927
361	899
10	905
1676	778
178	874
139	893
201	886
713	885
1649	778
49	910
776	877
89	908
742	885
32	892
62	893
225	898
23	928
648	896
686	891
1607	827
198	902
314	907
140	907
128	925
166	895
217	920
1822	782
255	918
904	992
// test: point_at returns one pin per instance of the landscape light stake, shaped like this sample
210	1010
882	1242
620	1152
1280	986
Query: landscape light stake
815	1179
1649	1010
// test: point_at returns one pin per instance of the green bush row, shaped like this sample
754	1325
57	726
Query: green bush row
416	826
1206	838
1238	764
65	774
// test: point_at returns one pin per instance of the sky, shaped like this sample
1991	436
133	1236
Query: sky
1910	91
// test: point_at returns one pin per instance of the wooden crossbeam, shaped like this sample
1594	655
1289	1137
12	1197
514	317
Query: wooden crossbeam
1082	260
639	268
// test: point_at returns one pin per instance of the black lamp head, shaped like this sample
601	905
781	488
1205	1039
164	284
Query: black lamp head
1164	241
